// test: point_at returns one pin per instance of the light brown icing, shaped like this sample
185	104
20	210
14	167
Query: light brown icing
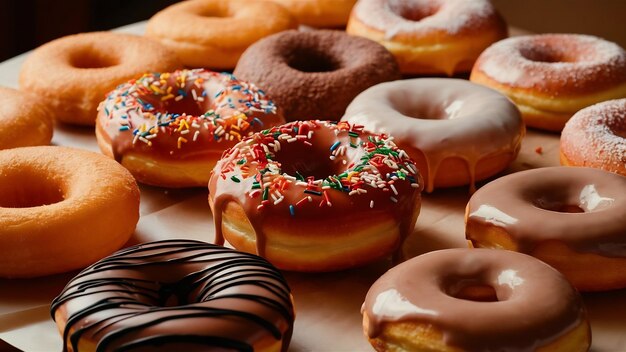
518	202
293	172
535	304
442	118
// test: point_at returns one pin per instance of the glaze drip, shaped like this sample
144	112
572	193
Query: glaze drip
176	294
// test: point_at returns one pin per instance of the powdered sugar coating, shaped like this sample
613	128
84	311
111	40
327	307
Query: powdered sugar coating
596	136
450	16
556	64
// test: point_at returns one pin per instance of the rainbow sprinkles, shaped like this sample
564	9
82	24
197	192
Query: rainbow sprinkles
214	107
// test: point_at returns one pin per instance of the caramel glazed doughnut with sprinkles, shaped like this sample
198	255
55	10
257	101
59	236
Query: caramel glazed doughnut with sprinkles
315	196
176	295
74	73
170	129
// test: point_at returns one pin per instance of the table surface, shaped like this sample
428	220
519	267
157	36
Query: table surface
327	305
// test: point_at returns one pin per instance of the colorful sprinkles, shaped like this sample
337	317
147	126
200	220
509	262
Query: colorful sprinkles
139	107
380	167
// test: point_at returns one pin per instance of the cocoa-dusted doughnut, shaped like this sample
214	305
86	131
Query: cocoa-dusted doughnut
315	196
214	33
74	73
552	76
456	131
573	218
429	36
456	300
315	74
176	295
62	209
25	120
596	137
169	129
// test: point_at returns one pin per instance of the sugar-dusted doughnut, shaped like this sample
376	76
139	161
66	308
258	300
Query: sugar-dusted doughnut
62	209
74	73
176	295
596	137
572	218
429	36
552	76
315	196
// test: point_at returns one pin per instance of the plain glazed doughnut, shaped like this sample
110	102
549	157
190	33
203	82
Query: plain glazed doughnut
552	76
319	13
315	196
62	209
214	33
74	73
169	129
429	36
24	119
176	295
457	300
572	218
456	131
596	137
315	74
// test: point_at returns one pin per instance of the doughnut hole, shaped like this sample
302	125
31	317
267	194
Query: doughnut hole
584	199
425	111
561	52
306	59
93	59
472	290
414	10
27	188
307	160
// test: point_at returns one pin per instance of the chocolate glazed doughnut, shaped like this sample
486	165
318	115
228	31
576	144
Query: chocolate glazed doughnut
316	74
176	295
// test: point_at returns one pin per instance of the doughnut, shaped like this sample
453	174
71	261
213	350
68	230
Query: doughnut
319	13
169	129
74	73
315	196
572	218
429	36
315	74
552	76
596	137
62	209
25	120
456	131
176	295
475	300
214	33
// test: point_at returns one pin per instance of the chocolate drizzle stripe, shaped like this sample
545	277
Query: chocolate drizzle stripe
134	288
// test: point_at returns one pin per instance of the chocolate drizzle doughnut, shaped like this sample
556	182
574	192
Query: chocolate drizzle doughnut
176	295
315	74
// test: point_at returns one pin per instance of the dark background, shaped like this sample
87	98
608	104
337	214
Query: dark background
26	24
